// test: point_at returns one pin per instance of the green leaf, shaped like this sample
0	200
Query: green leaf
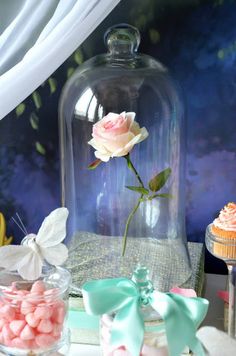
37	99
70	71
34	121
159	180
129	164
52	84
140	190
40	148
164	195
20	109
154	35
140	22
78	57
94	164
160	196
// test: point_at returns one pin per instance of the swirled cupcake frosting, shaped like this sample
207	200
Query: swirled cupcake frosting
225	224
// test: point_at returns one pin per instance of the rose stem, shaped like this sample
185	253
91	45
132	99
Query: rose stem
128	223
132	168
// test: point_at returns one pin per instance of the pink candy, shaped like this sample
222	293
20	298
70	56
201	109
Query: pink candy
38	287
109	350
45	326
17	326
44	340
31	319
27	307
27	333
43	312
7	312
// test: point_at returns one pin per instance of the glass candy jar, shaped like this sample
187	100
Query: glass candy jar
33	313
99	203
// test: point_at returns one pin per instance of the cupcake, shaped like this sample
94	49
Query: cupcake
225	225
224	229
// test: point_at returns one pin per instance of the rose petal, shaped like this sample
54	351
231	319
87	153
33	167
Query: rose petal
102	157
144	134
133	142
137	139
118	142
135	128
97	145
121	152
111	125
130	116
115	135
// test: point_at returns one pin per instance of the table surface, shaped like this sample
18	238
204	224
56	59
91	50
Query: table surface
214	316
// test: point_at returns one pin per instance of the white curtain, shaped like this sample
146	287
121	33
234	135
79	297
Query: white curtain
36	37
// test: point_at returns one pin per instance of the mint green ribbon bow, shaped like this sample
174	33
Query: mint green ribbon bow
122	296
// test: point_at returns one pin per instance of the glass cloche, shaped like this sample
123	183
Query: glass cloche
124	84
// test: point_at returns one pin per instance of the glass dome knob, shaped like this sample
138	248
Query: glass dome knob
122	39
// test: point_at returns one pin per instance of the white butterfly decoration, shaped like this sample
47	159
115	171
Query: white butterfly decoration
28	258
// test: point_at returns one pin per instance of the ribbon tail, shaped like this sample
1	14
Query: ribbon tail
128	328
196	347
182	316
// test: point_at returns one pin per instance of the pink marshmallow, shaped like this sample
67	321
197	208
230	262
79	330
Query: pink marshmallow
58	314
50	295
57	329
35	298
1	338
19	316
19	343
106	334
7	312
109	350
43	312
17	326
33	345
27	333
7	333
2	323
45	326
7	342
14	286
22	292
120	353
32	320
153	351
38	287
59	303
16	304
27	307
44	340
51	292
106	320
35	320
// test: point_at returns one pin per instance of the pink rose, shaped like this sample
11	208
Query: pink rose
115	135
